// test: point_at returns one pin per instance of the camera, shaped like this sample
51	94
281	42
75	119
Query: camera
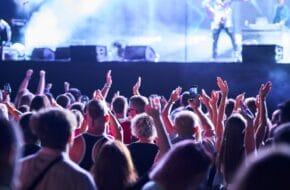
193	92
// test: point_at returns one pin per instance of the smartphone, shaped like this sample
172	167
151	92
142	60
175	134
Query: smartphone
7	88
193	92
85	99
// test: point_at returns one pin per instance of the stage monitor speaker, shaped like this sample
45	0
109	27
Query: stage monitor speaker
42	54
139	53
262	53
88	53
62	53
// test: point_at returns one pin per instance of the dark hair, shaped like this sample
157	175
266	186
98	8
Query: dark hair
24	108
139	102
229	107
251	104
96	109
285	112
114	162
182	166
53	127
185	96
26	129
232	150
119	104
39	102
9	152
269	170
75	92
63	100
78	106
282	134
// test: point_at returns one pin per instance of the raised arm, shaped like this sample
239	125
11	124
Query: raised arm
261	131
206	124
154	110
115	126
175	95
136	87
107	85
41	83
223	86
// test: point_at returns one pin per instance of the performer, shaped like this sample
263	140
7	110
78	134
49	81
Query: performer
221	13
5	33
281	13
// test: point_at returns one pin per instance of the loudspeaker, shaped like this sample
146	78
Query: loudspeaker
62	53
88	53
262	53
43	54
139	53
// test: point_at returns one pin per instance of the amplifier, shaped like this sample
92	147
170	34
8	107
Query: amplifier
262	53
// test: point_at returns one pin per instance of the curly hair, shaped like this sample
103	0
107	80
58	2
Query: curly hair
143	126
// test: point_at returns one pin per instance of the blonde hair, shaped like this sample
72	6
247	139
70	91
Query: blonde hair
143	126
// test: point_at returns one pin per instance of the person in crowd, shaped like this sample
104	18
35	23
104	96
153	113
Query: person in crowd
267	170
144	150
98	117
184	167
114	168
51	167
31	144
9	153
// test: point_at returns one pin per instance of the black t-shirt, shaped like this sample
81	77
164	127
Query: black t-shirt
143	155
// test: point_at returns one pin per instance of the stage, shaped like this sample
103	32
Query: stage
157	78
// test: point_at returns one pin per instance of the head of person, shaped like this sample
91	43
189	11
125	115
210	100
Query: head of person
184	167
282	134
230	104
137	105
114	167
9	153
232	150
54	128
120	106
143	127
63	100
251	104
78	106
26	99
284	112
185	96
275	119
28	136
39	102
79	117
76	93
267	170
97	116
186	123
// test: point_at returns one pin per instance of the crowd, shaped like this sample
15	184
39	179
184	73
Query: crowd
186	142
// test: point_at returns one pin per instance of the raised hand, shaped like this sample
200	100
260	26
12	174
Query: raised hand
223	86
29	73
137	86
66	86
42	73
264	90
98	95
239	100
214	97
175	95
154	107
109	80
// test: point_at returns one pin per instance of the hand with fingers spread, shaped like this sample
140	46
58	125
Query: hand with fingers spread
264	90
204	98
98	95
223	85
175	95
214	97
137	86
239	100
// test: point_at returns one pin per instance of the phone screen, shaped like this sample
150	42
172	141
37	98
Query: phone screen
193	91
